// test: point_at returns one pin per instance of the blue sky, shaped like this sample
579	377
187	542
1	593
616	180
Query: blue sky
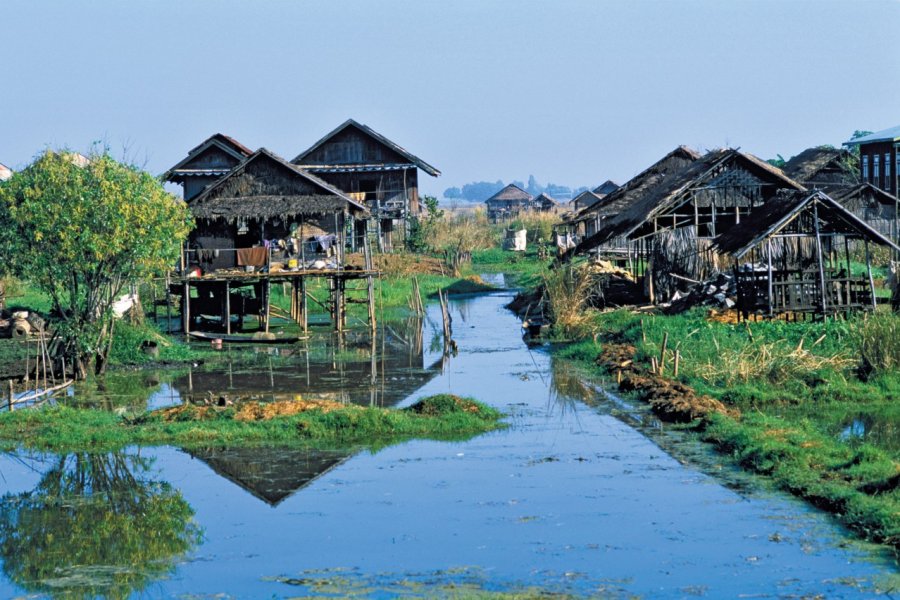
574	92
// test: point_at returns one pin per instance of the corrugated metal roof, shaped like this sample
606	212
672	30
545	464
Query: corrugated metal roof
885	135
357	168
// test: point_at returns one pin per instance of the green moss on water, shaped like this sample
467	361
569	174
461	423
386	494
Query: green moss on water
65	429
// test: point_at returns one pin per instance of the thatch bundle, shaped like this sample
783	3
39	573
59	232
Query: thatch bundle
677	256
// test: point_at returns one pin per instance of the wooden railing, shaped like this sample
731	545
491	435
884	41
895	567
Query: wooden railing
800	291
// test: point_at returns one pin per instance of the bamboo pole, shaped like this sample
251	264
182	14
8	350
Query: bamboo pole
304	305
662	353
871	279
186	310
819	258
227	307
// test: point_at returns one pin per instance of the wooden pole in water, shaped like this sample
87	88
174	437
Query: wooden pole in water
370	285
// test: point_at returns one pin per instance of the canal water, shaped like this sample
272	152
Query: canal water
583	494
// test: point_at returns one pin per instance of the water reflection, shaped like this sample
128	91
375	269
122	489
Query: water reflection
270	474
881	430
355	367
95	525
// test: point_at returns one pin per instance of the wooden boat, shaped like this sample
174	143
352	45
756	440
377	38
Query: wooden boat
245	339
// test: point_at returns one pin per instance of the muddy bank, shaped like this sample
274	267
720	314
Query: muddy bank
671	401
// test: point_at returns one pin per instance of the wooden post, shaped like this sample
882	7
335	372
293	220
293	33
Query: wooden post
304	306
662	353
871	279
819	258
771	283
9	401
186	308
227	307
268	294
168	303
370	285
677	361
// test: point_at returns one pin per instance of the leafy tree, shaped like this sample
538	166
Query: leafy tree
82	234
95	526
422	230
778	161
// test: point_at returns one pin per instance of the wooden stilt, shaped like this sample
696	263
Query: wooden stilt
871	279
819	259
228	307
268	294
370	288
186	308
304	305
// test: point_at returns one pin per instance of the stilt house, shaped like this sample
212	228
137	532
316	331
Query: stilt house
372	170
268	219
207	162
508	203
594	217
792	255
669	227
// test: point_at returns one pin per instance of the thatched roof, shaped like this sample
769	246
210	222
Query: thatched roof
302	159
863	194
659	194
825	165
265	186
545	201
635	188
586	199
511	192
607	187
782	214
228	145
892	134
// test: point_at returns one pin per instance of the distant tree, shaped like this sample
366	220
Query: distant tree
854	150
479	191
580	190
82	233
534	188
453	192
558	191
519	184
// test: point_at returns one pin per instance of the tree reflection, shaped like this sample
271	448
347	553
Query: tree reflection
95	525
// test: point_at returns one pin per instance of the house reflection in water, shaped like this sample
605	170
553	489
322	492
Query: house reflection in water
352	368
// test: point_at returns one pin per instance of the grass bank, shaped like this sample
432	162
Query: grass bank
811	405
64	429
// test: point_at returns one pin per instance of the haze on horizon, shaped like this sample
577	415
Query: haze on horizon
571	91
